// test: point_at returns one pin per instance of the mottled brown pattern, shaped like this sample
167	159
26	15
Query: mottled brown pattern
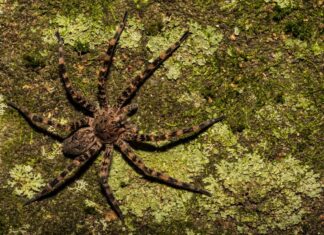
107	127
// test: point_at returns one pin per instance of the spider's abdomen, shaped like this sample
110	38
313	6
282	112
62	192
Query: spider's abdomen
79	142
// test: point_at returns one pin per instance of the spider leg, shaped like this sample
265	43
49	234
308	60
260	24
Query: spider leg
129	109
126	111
78	124
150	69
68	173
74	95
137	161
38	120
177	134
104	171
104	71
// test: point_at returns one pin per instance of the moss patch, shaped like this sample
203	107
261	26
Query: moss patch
259	194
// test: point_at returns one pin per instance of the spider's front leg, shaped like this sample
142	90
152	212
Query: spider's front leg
140	79
108	59
75	96
104	172
126	112
39	121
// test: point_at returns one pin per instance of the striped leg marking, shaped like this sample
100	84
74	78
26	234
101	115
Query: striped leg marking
126	111
37	120
75	96
78	124
140	79
174	135
108	59
104	171
129	109
68	173
128	152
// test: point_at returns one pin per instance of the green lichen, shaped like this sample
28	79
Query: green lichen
228	5
260	194
95	225
79	186
204	4
56	150
193	98
92	206
279	123
132	35
6	136
296	44
190	232
220	132
24	181
197	50
141	3
80	32
4	6
3	106
318	48
283	128
2	2
284	3
23	230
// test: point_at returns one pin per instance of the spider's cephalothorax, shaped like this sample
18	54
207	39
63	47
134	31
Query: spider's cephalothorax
107	127
109	124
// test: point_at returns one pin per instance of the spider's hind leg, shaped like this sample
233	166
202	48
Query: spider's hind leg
162	177
177	134
70	171
104	171
140	79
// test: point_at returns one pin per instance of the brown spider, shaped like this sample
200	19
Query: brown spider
107	127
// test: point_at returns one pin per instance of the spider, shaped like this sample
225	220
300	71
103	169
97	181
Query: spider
108	127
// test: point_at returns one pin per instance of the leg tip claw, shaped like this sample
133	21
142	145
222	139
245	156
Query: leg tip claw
29	202
125	16
11	104
185	36
219	119
205	192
